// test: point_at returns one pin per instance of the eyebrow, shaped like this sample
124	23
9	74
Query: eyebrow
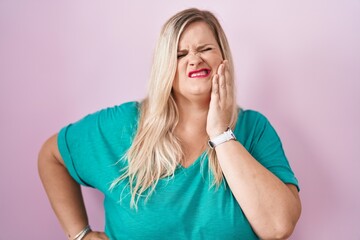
198	47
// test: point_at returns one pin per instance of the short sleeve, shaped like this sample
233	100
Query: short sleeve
264	144
92	146
66	154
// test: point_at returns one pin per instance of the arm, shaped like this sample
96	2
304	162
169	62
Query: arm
272	207
63	192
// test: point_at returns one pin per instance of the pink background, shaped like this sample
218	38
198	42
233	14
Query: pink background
297	62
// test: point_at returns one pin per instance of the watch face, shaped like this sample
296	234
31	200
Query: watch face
211	144
224	137
232	135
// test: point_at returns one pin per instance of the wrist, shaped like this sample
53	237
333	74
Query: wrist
217	131
221	138
81	235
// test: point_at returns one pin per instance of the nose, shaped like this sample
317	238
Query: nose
195	59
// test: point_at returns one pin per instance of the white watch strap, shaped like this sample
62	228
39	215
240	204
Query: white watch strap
224	137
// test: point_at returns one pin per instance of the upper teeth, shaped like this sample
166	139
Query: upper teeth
201	73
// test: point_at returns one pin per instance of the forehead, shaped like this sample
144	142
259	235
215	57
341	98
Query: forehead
197	33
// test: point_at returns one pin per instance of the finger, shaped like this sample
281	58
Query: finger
222	84
96	236
228	76
229	81
219	69
215	89
102	236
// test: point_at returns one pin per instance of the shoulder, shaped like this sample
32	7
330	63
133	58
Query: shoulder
125	109
253	127
124	112
110	118
123	115
250	117
250	125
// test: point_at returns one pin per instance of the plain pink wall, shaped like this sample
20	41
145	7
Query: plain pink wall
298	62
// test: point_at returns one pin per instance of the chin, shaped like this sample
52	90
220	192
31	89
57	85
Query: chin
204	93
200	94
194	92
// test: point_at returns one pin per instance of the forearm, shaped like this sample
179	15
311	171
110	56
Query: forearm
270	206
64	194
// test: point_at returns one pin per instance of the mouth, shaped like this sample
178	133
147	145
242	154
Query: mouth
200	73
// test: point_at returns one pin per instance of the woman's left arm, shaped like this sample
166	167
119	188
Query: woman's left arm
271	206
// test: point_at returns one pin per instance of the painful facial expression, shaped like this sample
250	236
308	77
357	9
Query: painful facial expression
199	57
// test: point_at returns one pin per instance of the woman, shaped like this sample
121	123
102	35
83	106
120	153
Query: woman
152	161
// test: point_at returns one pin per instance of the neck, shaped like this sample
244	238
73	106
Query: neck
193	115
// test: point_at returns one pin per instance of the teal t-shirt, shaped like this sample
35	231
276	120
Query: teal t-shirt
182	207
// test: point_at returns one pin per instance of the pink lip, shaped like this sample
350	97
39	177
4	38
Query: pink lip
200	70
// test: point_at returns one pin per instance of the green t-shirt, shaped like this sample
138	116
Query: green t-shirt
183	207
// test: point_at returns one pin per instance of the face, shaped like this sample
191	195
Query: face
199	57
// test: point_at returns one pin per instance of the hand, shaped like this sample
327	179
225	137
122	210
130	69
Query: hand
95	236
221	103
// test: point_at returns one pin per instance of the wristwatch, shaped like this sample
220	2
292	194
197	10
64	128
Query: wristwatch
224	137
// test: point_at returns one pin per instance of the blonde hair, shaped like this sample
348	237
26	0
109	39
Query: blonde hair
155	151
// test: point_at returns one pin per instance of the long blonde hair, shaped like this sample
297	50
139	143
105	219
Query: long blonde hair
155	151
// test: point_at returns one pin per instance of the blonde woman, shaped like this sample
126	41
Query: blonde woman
184	163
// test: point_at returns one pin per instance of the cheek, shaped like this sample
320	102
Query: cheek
216	63
218	58
214	60
180	69
179	74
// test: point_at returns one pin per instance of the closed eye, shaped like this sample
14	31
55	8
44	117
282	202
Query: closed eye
180	55
207	49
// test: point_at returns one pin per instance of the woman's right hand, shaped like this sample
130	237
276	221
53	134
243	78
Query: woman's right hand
96	236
